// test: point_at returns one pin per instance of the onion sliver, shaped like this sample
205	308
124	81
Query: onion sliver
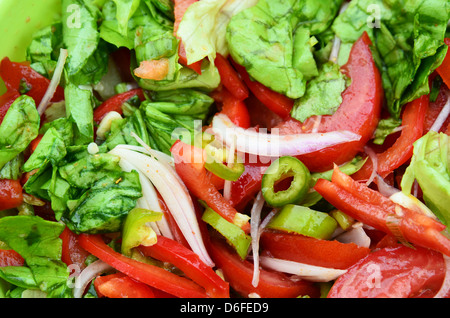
305	271
174	194
356	235
442	117
274	145
56	78
89	273
255	217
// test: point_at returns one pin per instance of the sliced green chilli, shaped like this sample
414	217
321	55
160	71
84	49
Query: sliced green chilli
216	159
281	169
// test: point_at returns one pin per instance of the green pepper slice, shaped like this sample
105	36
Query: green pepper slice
305	221
215	158
280	169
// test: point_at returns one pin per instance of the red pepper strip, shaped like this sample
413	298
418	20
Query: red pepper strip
359	111
444	69
276	102
146	273
119	285
372	208
190	167
189	263
239	273
309	250
115	103
10	194
14	73
233	107
72	252
401	151
230	78
10	258
5	102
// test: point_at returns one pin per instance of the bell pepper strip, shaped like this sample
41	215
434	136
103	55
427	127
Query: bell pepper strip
444	69
401	151
359	111
17	75
235	109
239	273
168	250
215	162
305	221
11	195
180	7
10	258
280	169
233	234
372	208
401	272
313	251
72	253
276	102
119	285
230	78
115	103
190	166
137	230
154	276
6	100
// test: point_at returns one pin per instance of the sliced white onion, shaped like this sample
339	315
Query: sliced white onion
373	157
255	217
161	156
89	273
304	271
56	78
174	194
384	188
275	145
442	117
337	41
105	124
356	235
445	288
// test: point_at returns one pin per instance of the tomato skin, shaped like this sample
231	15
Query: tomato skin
13	73
5	102
10	194
10	258
119	285
239	274
392	272
309	250
72	252
359	111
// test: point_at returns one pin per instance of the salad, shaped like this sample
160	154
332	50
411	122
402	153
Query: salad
228	149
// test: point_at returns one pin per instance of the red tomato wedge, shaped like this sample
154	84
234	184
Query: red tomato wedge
359	111
392	272
239	273
119	285
72	252
10	258
309	250
17	75
10	194
5	102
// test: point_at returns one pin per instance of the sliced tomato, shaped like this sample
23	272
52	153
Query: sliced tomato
401	151
392	272
17	75
239	273
309	250
115	103
444	69
359	111
168	250
10	194
6	100
119	285
372	208
10	258
72	252
189	164
152	275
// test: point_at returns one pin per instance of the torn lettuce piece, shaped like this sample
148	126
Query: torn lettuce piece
323	93
384	128
19	127
407	39
262	39
430	167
